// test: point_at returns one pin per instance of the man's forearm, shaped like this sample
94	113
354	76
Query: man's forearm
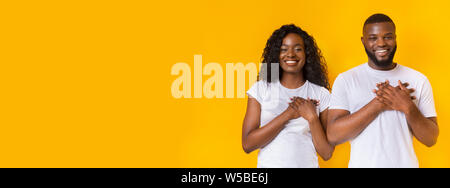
349	126
424	129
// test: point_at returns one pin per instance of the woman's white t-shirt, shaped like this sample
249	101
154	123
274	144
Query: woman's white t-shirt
293	146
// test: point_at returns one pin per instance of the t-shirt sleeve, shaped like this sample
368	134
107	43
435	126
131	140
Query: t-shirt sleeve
426	100
257	91
324	99
339	94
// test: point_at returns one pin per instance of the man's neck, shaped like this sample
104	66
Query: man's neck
384	68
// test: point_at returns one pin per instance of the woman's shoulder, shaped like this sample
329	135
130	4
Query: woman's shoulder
258	90
260	84
263	85
319	88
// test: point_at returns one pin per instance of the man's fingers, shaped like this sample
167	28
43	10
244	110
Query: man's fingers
388	89
379	98
386	94
382	85
385	100
406	84
377	91
386	83
379	85
402	87
381	92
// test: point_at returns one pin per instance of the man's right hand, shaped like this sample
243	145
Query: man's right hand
384	105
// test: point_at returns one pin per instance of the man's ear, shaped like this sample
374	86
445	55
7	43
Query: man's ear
362	40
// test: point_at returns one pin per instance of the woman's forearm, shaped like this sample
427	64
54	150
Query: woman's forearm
320	141
262	136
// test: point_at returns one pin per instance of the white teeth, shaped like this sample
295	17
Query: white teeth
381	51
291	62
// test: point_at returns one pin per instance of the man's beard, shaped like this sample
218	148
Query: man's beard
383	63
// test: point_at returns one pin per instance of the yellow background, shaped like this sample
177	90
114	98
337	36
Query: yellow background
87	83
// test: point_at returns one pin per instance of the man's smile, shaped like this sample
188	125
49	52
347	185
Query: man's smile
381	52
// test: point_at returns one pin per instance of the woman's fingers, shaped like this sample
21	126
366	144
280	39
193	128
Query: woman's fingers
293	105
299	101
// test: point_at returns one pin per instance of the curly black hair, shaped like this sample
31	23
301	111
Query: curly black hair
315	68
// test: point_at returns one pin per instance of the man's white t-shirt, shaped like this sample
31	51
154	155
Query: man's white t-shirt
387	141
293	146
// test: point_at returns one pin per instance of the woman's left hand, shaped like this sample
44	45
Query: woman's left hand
305	108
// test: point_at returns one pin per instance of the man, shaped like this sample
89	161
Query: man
372	108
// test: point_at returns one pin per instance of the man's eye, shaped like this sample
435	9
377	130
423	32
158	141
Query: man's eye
388	38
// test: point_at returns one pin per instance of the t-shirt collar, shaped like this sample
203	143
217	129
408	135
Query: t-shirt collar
382	72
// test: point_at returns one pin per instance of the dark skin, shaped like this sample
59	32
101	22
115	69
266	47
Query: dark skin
292	60
424	129
380	39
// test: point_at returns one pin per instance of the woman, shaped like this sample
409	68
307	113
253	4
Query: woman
290	102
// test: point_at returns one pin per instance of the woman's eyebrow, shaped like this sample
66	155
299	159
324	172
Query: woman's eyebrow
298	44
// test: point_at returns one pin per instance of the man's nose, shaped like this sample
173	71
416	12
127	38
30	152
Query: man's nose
381	42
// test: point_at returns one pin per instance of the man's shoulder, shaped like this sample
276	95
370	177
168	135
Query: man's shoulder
355	71
411	72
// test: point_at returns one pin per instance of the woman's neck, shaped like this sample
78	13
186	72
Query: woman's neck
292	80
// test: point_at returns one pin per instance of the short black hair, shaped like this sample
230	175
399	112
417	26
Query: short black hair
378	18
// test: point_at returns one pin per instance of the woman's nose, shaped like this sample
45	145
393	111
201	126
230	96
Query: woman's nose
291	53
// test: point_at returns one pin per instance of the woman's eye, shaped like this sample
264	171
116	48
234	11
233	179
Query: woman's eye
298	49
283	50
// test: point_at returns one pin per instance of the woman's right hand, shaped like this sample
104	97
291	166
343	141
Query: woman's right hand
300	107
292	111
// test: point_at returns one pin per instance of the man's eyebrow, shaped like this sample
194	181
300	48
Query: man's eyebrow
371	35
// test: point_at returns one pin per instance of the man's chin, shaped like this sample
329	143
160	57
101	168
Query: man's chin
383	63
